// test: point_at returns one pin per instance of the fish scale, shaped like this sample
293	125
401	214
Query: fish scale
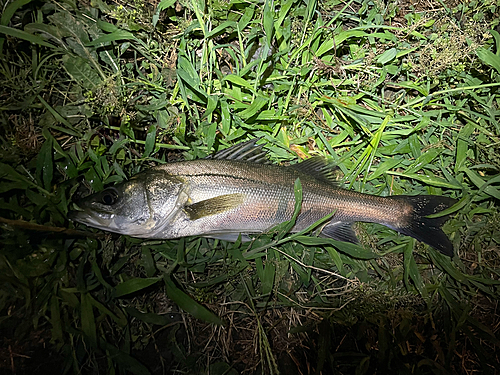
270	197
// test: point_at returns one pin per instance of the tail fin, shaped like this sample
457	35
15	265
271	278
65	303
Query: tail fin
425	229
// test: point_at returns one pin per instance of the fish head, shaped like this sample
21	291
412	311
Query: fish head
138	207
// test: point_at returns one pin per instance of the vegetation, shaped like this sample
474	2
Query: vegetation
403	95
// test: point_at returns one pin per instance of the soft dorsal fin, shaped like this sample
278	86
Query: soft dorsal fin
319	168
247	151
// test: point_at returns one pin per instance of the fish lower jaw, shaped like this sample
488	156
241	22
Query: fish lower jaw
104	224
101	221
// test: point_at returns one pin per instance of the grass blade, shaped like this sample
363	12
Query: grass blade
25	36
134	285
189	305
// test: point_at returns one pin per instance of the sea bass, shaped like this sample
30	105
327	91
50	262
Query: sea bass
234	193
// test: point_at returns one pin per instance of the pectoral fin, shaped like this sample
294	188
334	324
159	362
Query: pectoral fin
214	206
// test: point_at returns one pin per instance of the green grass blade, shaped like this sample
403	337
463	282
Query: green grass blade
25	36
45	164
114	36
484	185
152	318
134	285
150	141
189	305
423	160
124	361
428	179
88	319
489	58
350	249
11	9
268	21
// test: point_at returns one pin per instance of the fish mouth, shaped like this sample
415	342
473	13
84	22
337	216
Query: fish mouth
101	221
108	222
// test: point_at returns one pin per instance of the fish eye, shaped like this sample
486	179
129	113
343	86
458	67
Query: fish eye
109	197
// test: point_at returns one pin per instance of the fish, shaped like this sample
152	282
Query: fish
236	193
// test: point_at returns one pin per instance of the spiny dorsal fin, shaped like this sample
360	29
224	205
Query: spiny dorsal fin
214	206
247	151
319	168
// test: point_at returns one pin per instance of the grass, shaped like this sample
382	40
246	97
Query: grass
404	97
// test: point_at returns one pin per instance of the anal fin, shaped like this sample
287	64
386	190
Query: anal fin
340	231
214	206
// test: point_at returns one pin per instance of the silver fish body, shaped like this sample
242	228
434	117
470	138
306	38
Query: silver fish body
223	198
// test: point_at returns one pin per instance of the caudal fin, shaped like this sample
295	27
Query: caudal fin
422	228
